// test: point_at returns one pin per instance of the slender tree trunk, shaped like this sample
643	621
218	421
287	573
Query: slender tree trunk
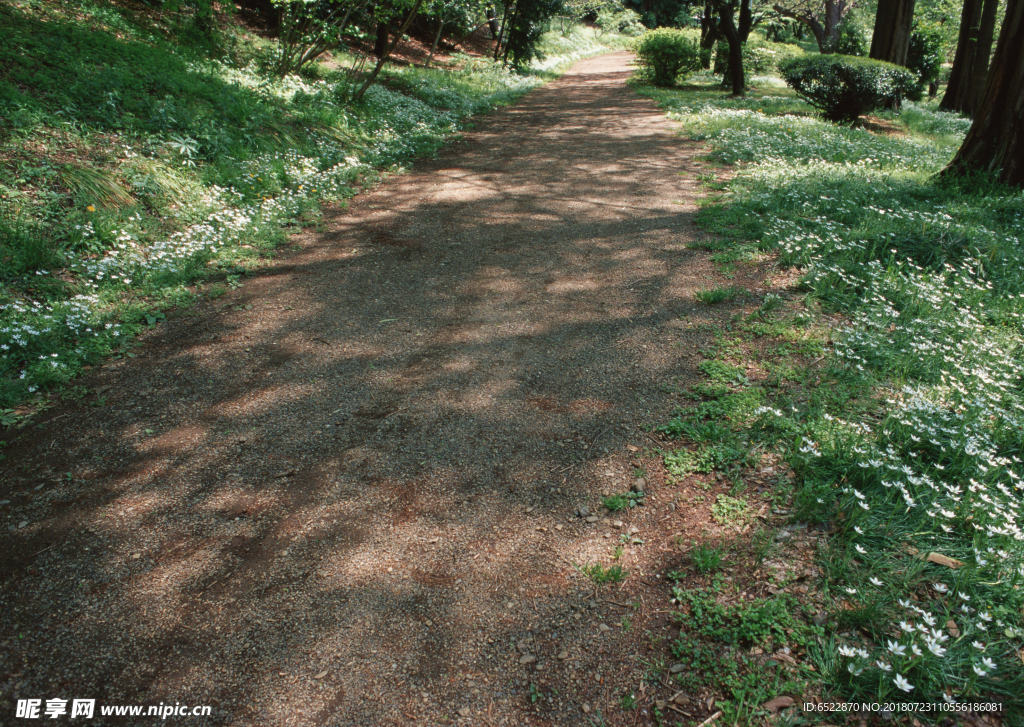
501	32
437	39
728	29
380	64
995	142
380	47
709	32
893	24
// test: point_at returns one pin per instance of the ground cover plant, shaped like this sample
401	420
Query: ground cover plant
906	439
140	161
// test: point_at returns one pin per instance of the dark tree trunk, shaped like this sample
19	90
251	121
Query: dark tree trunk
995	142
709	34
977	24
893	24
380	47
746	21
979	69
728	28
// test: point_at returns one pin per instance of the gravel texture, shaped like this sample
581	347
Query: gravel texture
346	493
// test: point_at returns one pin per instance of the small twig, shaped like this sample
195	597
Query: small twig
52	545
621	605
710	719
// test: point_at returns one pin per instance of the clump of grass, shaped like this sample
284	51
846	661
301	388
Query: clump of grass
714	296
599	574
707	558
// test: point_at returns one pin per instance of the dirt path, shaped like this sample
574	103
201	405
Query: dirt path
345	493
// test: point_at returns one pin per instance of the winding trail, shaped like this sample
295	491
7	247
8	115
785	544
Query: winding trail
344	494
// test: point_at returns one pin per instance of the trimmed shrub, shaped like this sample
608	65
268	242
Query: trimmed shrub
844	87
665	53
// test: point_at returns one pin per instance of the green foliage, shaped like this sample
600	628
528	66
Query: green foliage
666	53
600	575
730	510
851	41
713	296
307	29
759	55
768	623
906	438
707	558
525	28
844	87
625	501
926	53
619	20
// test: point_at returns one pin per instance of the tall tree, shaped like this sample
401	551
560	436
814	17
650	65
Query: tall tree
970	64
894	22
995	141
823	17
727	27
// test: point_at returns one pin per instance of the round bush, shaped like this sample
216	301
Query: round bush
844	87
665	53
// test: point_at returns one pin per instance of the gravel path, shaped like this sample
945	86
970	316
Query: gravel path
346	493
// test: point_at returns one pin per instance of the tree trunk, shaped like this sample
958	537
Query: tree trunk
977	23
501	32
390	50
979	69
492	22
995	142
830	28
380	47
437	39
746	21
728	29
893	24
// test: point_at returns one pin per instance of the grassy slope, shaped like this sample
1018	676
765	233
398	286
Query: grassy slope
141	158
907	439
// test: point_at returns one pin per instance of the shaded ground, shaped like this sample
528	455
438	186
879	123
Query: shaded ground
345	493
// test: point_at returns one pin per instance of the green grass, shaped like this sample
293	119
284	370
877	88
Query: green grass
713	296
142	158
906	437
599	574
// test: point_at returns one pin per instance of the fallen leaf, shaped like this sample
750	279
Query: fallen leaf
941	559
321	675
774	705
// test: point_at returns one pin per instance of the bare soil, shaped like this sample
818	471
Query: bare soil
346	493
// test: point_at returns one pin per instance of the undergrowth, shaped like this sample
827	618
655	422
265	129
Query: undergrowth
906	436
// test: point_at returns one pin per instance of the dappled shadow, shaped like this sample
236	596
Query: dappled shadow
368	477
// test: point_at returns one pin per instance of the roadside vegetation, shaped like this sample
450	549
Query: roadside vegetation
888	382
148	161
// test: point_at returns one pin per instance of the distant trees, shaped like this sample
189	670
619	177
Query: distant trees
822	17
